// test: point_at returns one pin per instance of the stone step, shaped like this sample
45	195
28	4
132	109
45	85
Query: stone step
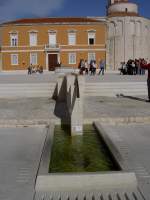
27	90
117	83
115	87
27	84
112	89
25	96
116	93
27	87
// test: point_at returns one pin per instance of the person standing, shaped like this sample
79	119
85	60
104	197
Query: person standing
29	70
82	67
101	67
92	67
86	67
146	66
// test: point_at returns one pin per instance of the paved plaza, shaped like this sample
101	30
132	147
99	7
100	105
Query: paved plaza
133	142
22	133
20	151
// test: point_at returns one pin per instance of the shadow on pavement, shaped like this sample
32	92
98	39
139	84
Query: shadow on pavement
131	97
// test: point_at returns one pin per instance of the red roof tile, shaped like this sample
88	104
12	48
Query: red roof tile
53	20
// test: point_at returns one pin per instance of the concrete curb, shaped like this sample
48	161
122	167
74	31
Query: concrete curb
81	182
118	120
46	153
112	147
85	182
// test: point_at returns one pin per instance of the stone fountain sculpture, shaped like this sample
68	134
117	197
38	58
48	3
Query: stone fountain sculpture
70	90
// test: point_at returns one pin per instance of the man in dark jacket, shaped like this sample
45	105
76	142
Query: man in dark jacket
143	65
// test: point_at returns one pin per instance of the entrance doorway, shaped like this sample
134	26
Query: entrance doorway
52	61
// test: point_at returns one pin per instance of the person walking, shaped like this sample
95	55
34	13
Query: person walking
86	67
101	67
94	67
146	66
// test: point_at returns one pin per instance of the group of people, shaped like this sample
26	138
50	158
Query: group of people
132	67
146	66
35	69
137	66
91	68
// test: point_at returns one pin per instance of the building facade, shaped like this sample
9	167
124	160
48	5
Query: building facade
51	41
119	36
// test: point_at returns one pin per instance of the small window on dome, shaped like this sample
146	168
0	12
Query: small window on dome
126	10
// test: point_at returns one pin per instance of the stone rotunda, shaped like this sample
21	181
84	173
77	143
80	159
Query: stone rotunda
128	33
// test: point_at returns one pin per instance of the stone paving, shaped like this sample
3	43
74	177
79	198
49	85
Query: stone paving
42	109
133	142
24	78
29	109
20	151
111	107
50	76
115	77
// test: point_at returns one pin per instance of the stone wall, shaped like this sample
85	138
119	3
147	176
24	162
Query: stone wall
123	7
127	38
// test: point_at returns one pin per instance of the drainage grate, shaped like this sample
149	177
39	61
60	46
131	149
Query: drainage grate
136	195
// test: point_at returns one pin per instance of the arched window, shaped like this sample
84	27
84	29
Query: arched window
14	38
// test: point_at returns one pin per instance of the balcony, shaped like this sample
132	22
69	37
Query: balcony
52	47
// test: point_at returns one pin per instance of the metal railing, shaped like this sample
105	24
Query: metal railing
52	46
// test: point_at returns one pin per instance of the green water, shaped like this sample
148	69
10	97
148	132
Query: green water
86	153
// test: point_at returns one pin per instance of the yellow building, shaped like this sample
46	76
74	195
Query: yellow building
51	41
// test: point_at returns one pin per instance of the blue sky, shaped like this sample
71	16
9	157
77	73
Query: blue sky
13	9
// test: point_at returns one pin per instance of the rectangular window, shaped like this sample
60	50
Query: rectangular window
14	59
91	56
33	58
14	40
33	39
52	39
72	58
71	38
91	38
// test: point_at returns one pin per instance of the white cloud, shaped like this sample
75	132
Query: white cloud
12	9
